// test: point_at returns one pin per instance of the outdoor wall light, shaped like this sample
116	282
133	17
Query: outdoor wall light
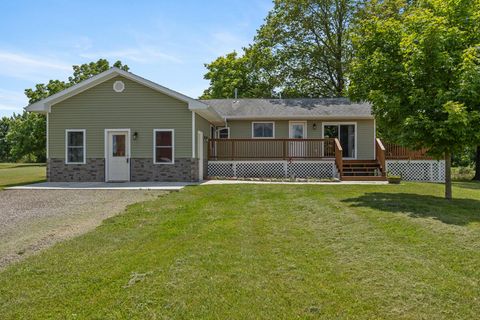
135	135
314	126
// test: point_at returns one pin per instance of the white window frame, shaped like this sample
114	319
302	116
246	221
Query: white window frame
253	131
341	123
223	128
84	132
155	147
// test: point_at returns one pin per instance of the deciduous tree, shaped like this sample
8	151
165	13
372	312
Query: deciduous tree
302	50
412	62
309	43
231	72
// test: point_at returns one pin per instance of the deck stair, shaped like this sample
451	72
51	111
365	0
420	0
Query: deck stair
362	170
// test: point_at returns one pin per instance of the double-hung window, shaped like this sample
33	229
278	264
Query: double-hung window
75	152
263	130
223	133
163	146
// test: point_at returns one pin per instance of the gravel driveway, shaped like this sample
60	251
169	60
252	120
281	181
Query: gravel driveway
34	219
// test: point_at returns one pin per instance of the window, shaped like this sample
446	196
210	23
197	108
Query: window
163	146
119	146
223	133
75	146
263	130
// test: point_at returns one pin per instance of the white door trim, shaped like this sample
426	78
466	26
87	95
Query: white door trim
105	149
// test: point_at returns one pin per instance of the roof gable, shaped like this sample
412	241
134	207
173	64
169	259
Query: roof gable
44	105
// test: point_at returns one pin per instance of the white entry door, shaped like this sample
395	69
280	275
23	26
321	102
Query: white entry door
297	130
118	158
200	154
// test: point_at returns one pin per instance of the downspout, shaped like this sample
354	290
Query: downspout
193	135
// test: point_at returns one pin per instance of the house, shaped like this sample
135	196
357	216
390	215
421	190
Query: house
117	126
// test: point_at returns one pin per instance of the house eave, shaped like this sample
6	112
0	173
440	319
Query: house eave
294	117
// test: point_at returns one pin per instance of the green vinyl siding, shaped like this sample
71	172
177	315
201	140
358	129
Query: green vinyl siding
366	139
242	129
202	125
365	132
137	108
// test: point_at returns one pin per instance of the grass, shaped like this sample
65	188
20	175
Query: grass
13	174
265	252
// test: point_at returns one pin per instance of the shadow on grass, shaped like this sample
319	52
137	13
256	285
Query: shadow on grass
467	184
459	212
20	165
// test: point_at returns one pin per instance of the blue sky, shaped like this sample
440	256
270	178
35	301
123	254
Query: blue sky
165	41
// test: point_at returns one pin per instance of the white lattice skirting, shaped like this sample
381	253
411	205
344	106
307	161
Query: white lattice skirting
273	169
417	170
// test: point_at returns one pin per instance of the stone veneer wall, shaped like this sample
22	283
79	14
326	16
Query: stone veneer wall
183	170
92	171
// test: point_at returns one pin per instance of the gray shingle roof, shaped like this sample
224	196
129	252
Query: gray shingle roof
290	108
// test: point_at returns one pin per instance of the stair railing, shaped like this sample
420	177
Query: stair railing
339	157
380	152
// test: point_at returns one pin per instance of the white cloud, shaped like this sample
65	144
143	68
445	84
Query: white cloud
34	68
223	42
12	101
83	43
141	54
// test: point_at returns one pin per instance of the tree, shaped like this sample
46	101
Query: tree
410	63
309	45
4	144
302	50
26	137
231	72
470	85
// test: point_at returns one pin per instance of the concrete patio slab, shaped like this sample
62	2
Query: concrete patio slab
165	186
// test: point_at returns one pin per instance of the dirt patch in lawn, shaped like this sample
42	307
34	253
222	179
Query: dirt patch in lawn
31	220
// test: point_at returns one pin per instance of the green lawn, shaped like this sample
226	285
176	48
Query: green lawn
13	174
265	252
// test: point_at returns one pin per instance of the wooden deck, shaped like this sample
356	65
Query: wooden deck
329	149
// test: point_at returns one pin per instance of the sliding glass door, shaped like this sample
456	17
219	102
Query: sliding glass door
346	133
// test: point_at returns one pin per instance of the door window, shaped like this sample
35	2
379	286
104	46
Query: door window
119	147
345	133
298	131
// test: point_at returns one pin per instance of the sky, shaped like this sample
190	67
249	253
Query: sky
165	41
